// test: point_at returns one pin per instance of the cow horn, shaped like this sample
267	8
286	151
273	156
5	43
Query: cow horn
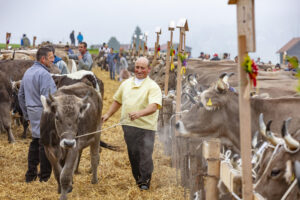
191	98
255	140
226	77
50	96
270	135
262	126
223	75
297	171
289	140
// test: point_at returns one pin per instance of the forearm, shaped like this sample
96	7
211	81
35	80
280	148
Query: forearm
150	109
113	108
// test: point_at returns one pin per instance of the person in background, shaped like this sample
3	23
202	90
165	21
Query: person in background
79	38
72	38
85	60
62	66
140	98
112	66
69	50
124	74
37	81
215	57
293	64
25	42
201	55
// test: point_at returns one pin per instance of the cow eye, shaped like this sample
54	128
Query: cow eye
275	172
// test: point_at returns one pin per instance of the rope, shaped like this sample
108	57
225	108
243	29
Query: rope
95	132
289	190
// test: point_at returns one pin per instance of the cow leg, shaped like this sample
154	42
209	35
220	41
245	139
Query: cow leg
95	157
25	127
55	165
10	136
77	163
66	175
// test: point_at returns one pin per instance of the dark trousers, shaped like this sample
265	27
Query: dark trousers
140	144
36	155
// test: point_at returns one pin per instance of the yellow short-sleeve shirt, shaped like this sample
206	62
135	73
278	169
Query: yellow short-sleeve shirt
135	98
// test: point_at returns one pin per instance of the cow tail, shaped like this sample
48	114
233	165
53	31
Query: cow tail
110	147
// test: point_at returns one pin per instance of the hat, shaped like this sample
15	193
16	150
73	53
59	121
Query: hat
215	55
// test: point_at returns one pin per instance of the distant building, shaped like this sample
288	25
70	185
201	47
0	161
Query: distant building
292	48
126	47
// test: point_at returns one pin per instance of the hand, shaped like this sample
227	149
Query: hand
134	115
79	57
104	118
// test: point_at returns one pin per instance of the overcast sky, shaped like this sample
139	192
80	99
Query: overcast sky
212	23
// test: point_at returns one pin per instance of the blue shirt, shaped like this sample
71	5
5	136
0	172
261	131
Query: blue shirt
36	81
85	63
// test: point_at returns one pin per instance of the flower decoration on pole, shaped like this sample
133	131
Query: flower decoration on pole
172	54
158	50
251	68
183	59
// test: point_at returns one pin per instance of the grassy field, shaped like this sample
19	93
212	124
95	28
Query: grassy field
94	51
2	45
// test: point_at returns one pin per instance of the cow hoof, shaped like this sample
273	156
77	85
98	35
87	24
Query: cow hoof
77	172
94	181
70	189
11	141
58	190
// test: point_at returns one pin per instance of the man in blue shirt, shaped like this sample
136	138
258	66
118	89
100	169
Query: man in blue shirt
37	81
85	60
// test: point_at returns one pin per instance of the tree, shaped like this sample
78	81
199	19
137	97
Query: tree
113	43
137	32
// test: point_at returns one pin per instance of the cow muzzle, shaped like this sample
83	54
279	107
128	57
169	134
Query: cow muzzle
68	143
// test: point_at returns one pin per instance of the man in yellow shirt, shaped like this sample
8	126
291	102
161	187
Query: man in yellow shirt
140	98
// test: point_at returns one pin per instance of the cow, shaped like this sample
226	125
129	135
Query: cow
72	111
15	69
278	168
219	115
5	105
17	112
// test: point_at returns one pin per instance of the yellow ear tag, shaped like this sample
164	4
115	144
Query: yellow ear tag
292	177
209	103
172	67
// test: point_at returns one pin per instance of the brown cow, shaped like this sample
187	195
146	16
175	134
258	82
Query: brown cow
5	104
72	111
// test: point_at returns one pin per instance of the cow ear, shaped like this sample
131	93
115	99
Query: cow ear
83	108
48	105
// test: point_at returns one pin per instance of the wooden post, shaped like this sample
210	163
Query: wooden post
145	44
246	43
8	35
140	45
34	39
211	152
169	44
158	32
183	26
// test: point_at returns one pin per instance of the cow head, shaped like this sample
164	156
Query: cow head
215	117
276	171
68	110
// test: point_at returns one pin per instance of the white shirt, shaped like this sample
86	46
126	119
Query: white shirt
138	82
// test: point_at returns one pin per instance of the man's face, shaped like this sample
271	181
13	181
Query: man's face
141	70
48	60
82	49
111	50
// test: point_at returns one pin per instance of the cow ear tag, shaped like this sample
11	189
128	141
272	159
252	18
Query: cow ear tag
209	103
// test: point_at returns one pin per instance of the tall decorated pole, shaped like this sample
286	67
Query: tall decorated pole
183	27
133	46
169	54
246	43
8	35
145	44
140	45
34	39
158	32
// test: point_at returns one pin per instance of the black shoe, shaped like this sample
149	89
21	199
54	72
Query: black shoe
144	187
